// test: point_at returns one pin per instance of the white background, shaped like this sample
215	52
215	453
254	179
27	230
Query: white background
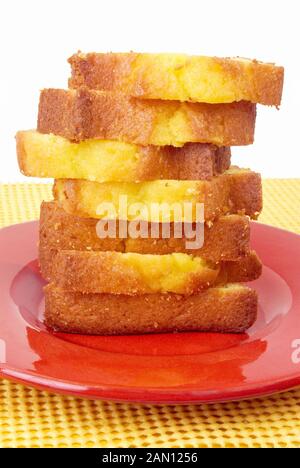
36	38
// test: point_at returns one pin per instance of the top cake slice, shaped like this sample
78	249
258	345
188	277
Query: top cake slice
179	77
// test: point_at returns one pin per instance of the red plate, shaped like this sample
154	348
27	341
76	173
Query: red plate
169	368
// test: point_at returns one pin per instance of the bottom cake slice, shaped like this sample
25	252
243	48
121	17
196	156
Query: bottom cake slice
226	309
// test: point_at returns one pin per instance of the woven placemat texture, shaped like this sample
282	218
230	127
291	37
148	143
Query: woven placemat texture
31	418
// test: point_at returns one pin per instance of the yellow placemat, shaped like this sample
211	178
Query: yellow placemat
30	418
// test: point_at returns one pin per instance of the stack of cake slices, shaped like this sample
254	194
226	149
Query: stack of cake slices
149	229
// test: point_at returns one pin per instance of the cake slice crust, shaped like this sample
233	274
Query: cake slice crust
84	114
229	309
236	191
52	156
179	77
132	274
227	239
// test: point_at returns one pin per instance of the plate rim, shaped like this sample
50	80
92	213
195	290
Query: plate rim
151	395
